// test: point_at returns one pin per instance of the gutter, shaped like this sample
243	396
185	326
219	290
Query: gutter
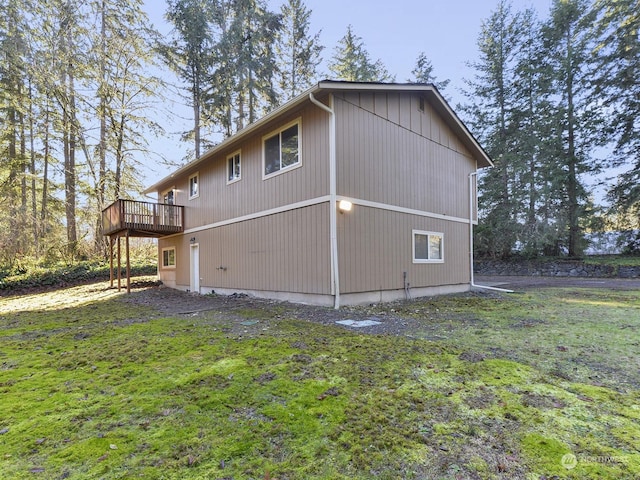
333	198
472	194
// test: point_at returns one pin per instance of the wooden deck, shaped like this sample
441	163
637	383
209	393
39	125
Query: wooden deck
142	219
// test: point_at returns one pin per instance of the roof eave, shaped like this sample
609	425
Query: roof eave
437	100
230	141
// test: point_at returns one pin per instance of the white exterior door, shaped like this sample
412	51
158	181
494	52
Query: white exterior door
194	268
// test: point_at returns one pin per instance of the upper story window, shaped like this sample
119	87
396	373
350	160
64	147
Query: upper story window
428	247
194	186
233	167
281	149
169	197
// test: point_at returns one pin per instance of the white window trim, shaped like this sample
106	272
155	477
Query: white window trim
229	157
175	258
428	234
279	130
196	176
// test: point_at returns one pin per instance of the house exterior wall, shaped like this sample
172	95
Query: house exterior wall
269	234
287	252
219	201
399	163
375	249
393	160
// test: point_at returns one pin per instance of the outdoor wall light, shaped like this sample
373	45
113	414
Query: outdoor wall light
345	206
192	240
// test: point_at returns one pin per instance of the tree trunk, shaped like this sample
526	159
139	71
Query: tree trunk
32	171
572	179
70	163
102	147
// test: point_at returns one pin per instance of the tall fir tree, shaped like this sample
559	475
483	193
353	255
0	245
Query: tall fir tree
617	81
251	38
569	46
423	73
13	98
298	52
241	85
532	139
351	61
190	53
490	114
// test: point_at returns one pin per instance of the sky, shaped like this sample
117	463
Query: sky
393	31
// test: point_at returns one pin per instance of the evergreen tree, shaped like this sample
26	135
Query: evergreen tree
569	46
13	161
423	73
190	52
298	53
490	115
251	38
241	84
617	81
351	62
532	139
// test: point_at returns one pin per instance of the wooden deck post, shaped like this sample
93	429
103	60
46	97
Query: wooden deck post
119	268
128	265
110	261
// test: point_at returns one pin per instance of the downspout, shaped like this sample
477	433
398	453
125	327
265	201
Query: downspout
472	195
333	216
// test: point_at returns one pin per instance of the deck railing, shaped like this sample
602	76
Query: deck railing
143	218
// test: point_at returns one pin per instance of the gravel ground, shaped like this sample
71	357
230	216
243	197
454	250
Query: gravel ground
250	315
525	283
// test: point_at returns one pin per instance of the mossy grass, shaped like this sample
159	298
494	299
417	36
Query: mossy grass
514	387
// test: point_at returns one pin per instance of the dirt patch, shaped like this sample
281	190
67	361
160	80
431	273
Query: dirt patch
239	308
396	318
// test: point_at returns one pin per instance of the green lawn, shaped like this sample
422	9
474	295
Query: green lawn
526	386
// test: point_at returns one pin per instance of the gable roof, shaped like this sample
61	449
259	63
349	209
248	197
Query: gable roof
431	93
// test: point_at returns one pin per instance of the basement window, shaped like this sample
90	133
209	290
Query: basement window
281	149
428	247
169	257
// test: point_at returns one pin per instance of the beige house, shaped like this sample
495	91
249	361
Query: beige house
350	193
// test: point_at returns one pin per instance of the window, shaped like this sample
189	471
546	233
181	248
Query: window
233	168
169	257
427	247
281	150
194	190
168	197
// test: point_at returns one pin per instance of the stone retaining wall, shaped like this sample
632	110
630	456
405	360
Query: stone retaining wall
558	268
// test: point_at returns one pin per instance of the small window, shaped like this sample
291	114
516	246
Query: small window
281	150
194	186
169	257
427	247
233	168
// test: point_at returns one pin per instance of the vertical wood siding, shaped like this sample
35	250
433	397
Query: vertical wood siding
391	152
218	201
375	248
388	151
286	252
